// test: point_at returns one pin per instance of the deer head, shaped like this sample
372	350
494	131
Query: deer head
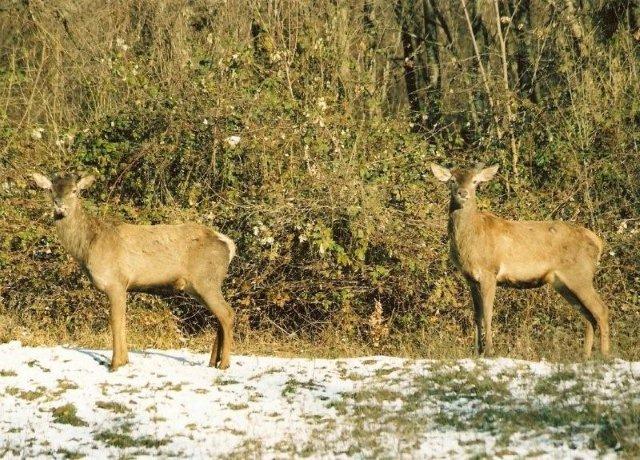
64	191
463	182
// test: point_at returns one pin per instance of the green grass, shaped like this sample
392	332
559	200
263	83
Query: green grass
63	386
28	395
67	415
222	381
473	400
250	448
113	407
563	382
69	455
31	395
451	385
238	406
292	386
123	439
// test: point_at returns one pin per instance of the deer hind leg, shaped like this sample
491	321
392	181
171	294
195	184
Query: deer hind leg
589	329
590	320
221	350
118	303
216	349
591	300
591	307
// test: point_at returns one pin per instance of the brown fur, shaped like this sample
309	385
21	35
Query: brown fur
492	251
123	257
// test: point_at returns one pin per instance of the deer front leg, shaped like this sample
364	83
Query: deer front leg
483	293
118	303
488	294
477	314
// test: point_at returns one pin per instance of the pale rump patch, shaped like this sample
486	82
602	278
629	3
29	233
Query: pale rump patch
230	244
180	284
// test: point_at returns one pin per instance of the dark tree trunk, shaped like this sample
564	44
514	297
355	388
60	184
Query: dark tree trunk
609	17
367	16
432	73
522	27
633	15
633	18
575	27
409	61
481	32
483	38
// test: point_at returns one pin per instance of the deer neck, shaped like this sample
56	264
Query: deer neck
76	232
461	219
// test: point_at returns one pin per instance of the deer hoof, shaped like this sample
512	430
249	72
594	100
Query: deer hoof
116	364
222	365
487	353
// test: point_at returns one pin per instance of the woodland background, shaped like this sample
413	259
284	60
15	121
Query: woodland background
339	107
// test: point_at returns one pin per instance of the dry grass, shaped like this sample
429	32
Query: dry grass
562	344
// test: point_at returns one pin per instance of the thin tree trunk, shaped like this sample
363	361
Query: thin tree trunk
409	59
633	16
432	68
483	40
367	15
507	96
483	73
522	19
575	27
480	29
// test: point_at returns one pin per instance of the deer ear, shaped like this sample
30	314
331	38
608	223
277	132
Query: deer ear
442	174
487	173
85	182
41	181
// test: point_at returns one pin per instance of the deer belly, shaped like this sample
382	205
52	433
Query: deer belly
524	276
156	272
168	279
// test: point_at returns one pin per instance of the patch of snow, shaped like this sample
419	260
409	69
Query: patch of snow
267	404
232	141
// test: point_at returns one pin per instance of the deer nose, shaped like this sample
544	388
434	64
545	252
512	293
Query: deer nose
462	193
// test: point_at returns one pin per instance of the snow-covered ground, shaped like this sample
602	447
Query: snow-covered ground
64	402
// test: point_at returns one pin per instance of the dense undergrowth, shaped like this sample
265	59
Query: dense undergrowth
341	231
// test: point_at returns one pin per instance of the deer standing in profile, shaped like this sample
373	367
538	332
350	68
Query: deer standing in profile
124	257
489	250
